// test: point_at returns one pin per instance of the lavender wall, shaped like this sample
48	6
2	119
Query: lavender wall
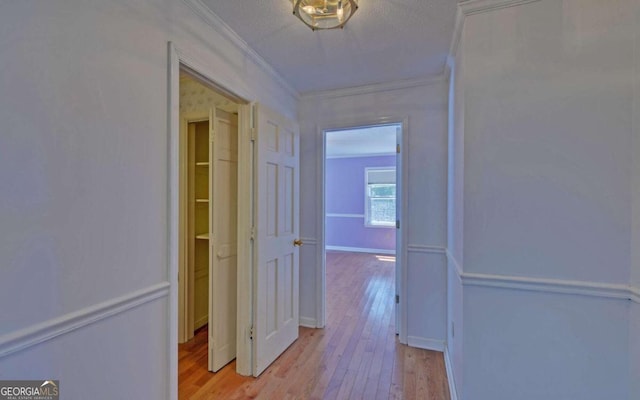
345	195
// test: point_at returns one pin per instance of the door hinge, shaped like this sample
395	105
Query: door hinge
398	148
251	333
397	224
253	233
397	299
253	134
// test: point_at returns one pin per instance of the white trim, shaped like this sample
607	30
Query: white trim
455	38
173	216
635	294
50	329
457	269
423	248
307	322
472	7
179	59
361	250
361	155
453	390
401	269
213	20
374	88
584	288
547	285
309	241
336	215
425	343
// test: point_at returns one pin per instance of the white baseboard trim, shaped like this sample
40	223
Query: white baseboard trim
424	343
360	250
453	390
201	322
47	330
307	322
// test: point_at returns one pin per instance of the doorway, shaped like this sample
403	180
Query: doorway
208	219
362	185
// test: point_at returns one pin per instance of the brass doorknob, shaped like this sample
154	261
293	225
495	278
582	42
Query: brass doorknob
297	242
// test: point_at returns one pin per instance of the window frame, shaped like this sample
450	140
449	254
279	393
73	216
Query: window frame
367	198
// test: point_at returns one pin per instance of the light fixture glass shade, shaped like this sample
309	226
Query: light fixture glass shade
324	14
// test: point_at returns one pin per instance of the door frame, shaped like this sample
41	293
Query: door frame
401	248
206	74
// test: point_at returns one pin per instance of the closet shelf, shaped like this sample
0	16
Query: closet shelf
203	236
202	164
202	200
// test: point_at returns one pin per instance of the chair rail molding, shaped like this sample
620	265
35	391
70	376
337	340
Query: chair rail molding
423	248
52	328
548	285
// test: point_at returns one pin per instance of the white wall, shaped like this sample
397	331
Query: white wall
455	215
634	319
548	130
426	107
83	177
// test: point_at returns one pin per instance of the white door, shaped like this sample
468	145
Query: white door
277	241
223	181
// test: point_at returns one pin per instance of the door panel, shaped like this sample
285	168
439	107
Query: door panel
277	226
223	239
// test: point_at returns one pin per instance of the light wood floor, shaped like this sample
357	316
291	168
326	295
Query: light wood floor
356	356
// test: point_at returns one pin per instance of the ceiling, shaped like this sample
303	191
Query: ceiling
366	141
385	41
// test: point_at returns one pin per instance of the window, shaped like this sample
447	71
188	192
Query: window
380	197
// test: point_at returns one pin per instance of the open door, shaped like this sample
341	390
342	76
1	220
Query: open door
277	237
223	183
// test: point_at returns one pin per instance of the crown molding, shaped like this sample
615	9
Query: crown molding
214	21
472	7
375	87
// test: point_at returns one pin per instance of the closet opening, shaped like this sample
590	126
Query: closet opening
208	227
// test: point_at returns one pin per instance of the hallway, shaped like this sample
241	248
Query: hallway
356	356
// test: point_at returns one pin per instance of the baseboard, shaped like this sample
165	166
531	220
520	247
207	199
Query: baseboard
424	343
361	250
201	322
453	390
47	330
307	322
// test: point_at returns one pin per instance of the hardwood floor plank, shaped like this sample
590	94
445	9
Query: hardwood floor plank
356	355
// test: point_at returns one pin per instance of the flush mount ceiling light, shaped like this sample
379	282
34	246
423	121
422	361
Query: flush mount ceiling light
324	14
